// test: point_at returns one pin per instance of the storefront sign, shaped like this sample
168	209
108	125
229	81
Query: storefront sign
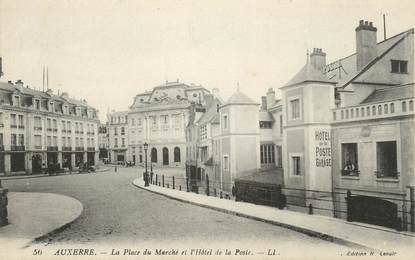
323	147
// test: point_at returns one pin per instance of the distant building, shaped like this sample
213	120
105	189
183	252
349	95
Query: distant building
103	142
41	128
159	118
118	136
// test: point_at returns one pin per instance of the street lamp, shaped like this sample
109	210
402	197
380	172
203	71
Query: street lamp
146	172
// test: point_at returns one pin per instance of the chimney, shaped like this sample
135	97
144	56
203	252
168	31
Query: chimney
366	48
318	58
65	95
270	98
264	103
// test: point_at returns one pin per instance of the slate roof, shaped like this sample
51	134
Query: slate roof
240	98
308	74
390	93
210	114
349	72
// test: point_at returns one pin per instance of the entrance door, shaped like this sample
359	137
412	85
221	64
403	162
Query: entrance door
36	163
134	159
372	210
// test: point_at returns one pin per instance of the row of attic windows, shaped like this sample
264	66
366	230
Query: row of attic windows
51	106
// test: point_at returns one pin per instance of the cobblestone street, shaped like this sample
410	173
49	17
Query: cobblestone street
115	211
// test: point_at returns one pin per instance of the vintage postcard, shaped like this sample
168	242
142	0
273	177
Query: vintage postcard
184	129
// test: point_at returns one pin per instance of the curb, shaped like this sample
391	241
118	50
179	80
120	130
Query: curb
17	177
58	229
309	232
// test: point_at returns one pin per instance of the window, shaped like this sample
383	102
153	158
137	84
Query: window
37	121
21	121
123	142
399	66
81	142
115	131
49	140
349	160
1	119
55	141
37	104
21	140
203	132
225	122
1	139
296	170
55	125
386	160
295	108
176	154
13	121
392	108
132	121
164	119
63	141
265	124
16	101
139	121
411	105
226	163
122	131
69	141
153	155
267	154
13	139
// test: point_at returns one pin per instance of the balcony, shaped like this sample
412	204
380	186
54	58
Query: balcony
374	111
37	128
49	129
52	148
21	126
13	126
38	147
79	148
68	131
91	149
17	148
66	148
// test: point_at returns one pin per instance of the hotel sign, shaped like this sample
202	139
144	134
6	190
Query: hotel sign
323	147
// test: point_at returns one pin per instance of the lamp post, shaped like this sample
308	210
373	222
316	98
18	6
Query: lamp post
146	172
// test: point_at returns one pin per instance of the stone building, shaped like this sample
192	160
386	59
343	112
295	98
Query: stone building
159	118
118	136
39	128
103	142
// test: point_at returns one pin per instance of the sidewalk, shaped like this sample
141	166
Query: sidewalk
28	176
356	235
35	215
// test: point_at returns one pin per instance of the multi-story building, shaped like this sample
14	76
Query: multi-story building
118	136
159	118
103	142
201	136
39	128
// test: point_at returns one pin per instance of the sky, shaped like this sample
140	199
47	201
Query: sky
107	51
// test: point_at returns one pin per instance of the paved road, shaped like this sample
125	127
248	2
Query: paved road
115	211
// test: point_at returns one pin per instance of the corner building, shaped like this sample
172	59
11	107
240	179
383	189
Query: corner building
40	128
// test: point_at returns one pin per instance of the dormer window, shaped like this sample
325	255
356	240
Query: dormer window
36	104
16	101
51	106
78	111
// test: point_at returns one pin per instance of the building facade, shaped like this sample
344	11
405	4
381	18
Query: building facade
103	142
118	137
159	118
41	128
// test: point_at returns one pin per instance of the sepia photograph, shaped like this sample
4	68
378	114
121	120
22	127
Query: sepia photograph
188	129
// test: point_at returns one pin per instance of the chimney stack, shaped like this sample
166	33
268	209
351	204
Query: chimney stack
366	49
19	84
270	98
264	103
318	58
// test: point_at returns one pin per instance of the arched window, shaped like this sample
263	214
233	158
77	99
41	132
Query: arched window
176	154
404	106
154	155
165	156
392	108
411	105
386	108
